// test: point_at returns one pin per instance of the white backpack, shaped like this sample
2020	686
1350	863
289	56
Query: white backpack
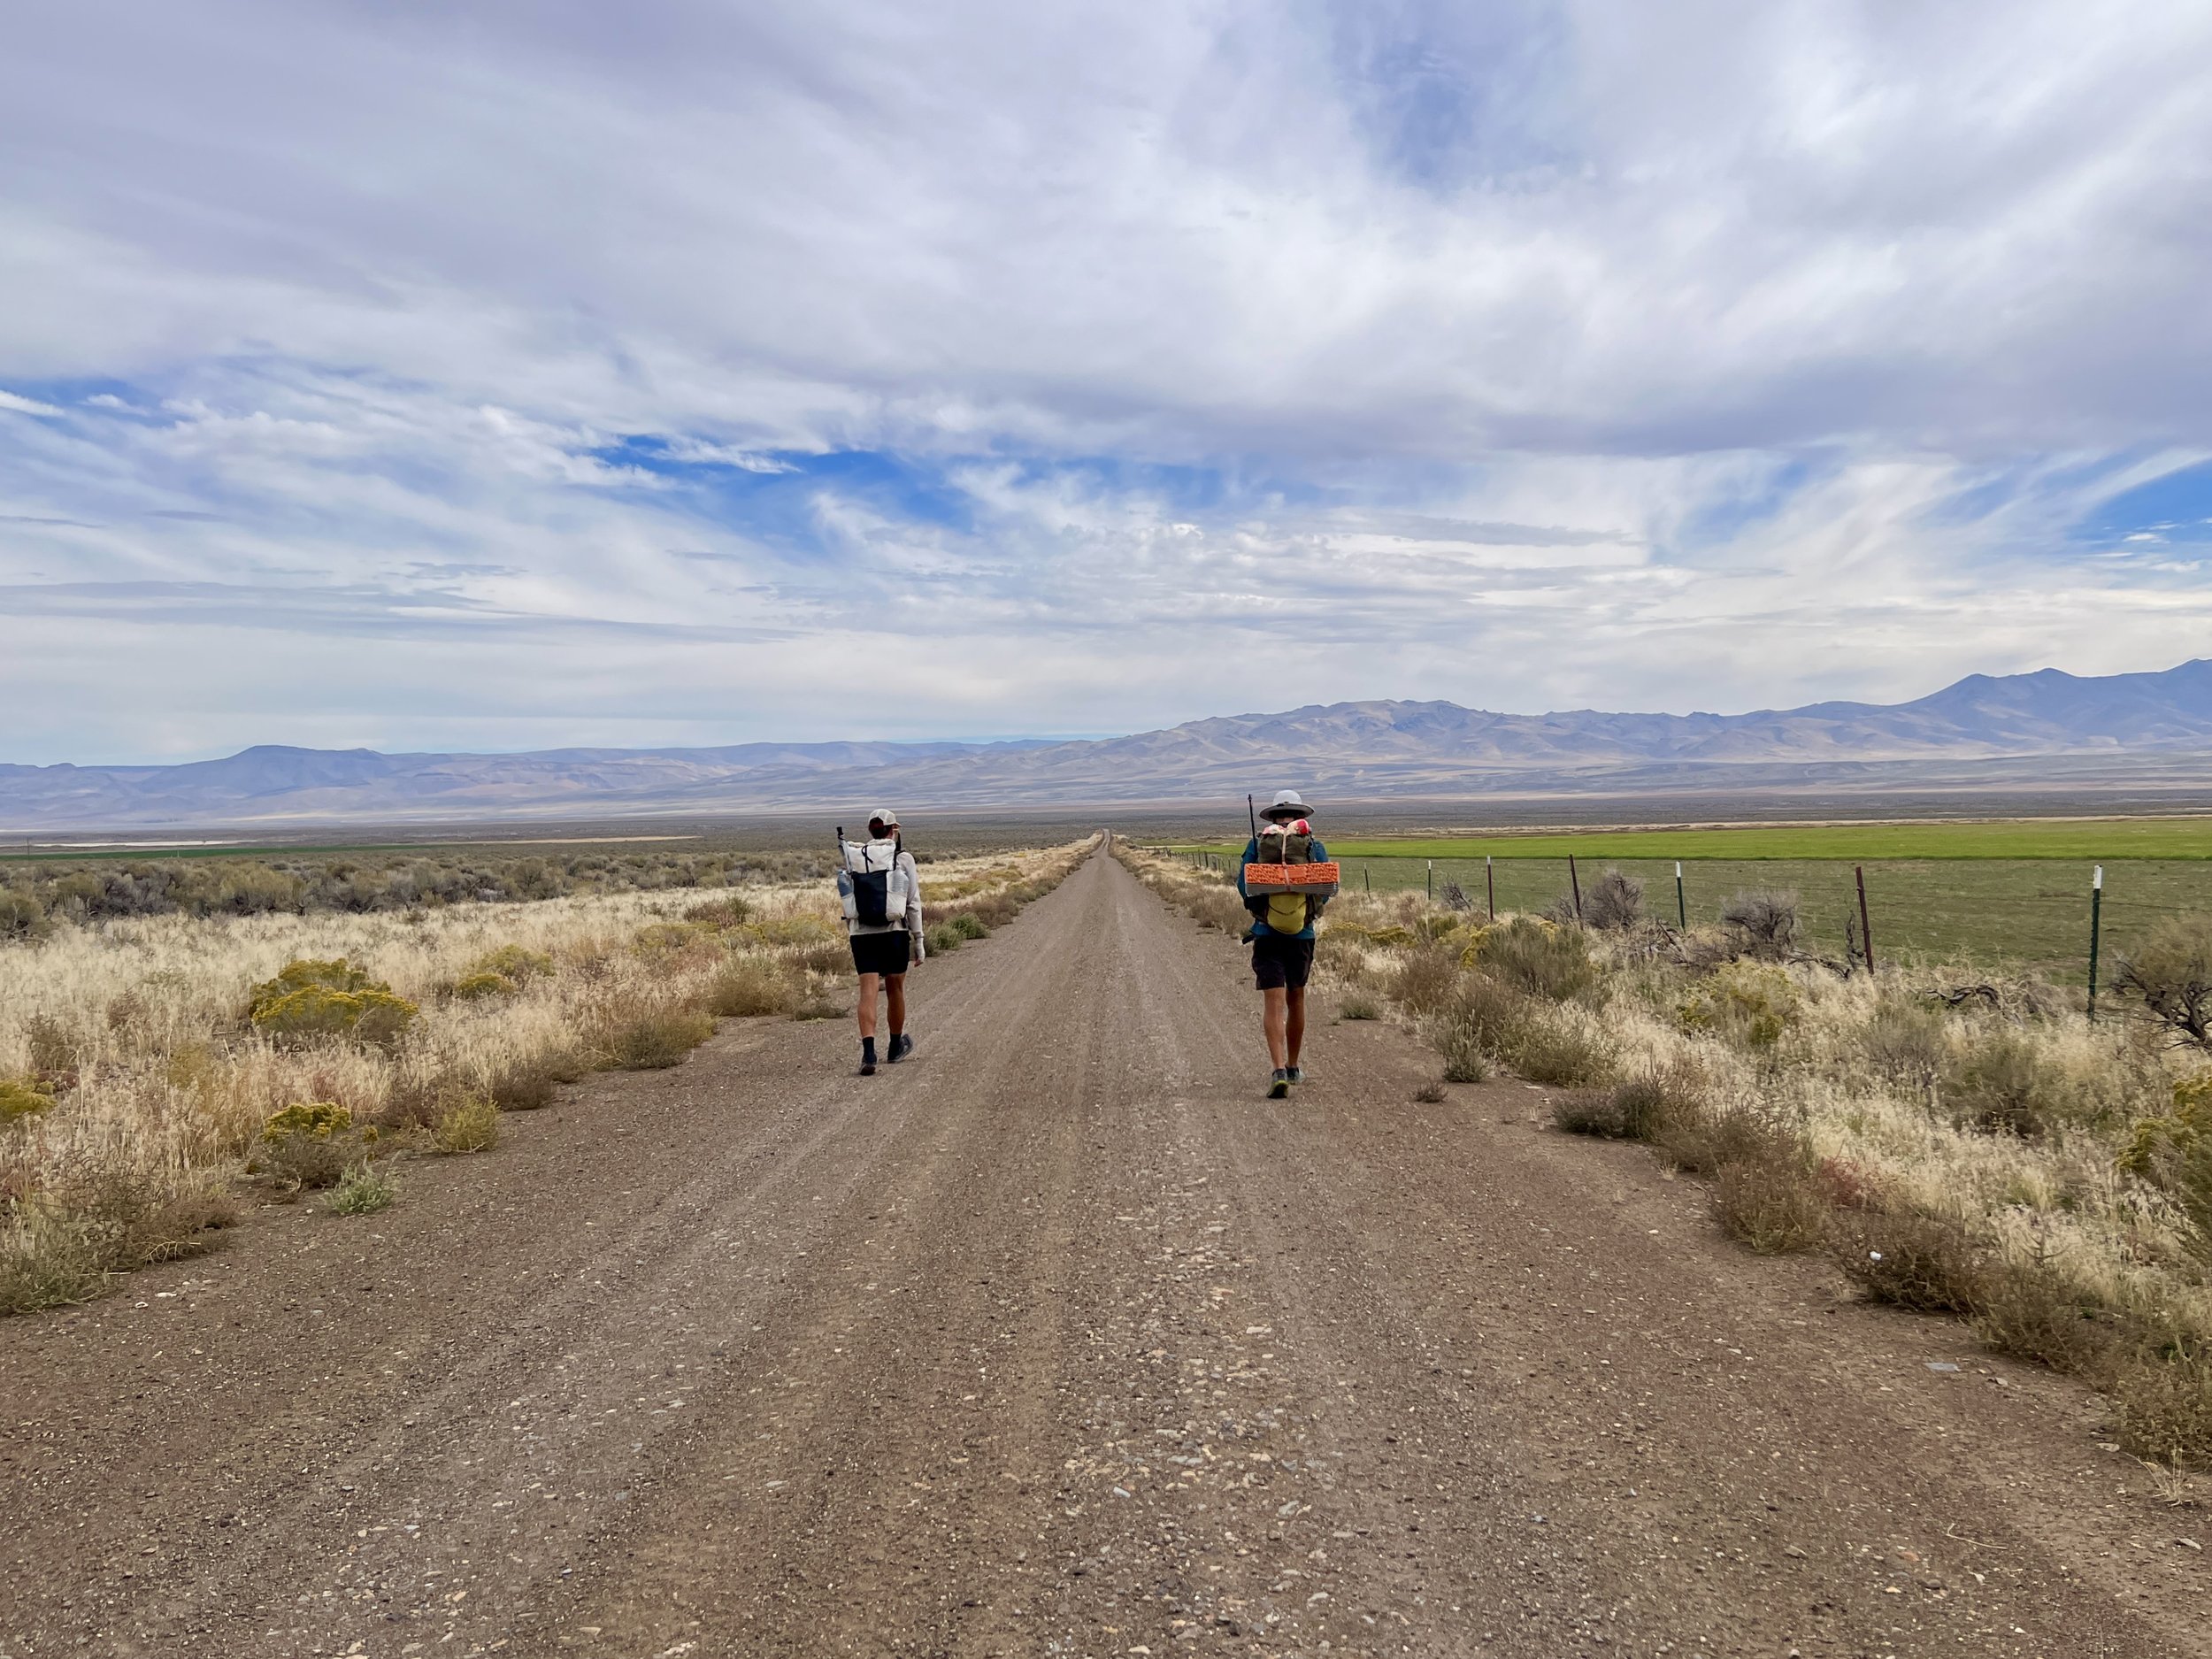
873	884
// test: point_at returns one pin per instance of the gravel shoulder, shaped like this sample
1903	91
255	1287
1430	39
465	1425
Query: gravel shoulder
1054	1339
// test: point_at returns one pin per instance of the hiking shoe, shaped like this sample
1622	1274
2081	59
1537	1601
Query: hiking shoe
867	1068
902	1046
1279	1090
1297	1075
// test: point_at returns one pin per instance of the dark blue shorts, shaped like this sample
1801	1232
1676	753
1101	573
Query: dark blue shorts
1281	959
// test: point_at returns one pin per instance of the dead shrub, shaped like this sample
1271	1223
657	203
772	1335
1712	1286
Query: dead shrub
2001	1084
1431	1092
1552	1048
1614	902
1770	1199
1703	1141
1496	1014
1905	1044
749	987
48	1261
1358	1004
1846	1185
655	1040
1218	908
1590	1112
54	1048
1764	921
2161	1400
2033	1314
2170	975
1454	897
1913	1261
526	1082
729	911
413	1101
822	997
1424	981
1660	1095
136	1217
824	956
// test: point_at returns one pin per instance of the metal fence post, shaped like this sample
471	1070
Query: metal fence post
1431	881
2096	917
1575	882
1681	905
1490	883
1866	929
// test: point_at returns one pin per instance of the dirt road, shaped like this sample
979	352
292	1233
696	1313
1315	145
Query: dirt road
1057	1340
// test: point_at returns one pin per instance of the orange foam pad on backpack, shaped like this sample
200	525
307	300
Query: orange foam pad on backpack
1263	878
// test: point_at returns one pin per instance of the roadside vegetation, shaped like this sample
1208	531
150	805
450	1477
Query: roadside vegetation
1955	1140
148	1062
38	895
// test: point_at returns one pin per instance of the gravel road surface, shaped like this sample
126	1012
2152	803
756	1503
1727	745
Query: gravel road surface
1057	1340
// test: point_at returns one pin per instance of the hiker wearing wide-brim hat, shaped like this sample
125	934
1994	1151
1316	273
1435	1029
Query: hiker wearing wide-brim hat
882	896
1282	932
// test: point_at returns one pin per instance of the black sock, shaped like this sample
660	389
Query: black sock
867	1051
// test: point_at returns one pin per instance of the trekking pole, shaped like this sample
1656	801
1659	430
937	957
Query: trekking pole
1866	931
1490	882
1252	812
1681	906
1575	881
2096	916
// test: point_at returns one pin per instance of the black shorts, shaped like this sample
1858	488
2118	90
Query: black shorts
1281	959
882	953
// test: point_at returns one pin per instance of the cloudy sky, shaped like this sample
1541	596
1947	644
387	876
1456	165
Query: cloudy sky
507	375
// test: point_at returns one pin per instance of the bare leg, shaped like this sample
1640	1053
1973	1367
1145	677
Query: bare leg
894	993
868	1004
1276	1014
1294	1024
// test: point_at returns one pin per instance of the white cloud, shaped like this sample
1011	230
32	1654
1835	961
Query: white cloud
1532	353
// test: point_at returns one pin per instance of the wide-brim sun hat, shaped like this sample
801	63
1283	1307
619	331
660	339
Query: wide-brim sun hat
1287	801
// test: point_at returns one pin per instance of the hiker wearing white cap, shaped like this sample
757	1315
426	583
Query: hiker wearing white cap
882	896
1282	934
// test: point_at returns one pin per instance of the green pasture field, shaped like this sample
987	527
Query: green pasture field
2007	895
2085	841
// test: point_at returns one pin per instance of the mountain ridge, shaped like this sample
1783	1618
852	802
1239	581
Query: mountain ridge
1374	749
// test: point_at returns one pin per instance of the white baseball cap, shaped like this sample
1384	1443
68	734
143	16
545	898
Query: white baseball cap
884	816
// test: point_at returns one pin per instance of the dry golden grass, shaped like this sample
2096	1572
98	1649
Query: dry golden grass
131	1061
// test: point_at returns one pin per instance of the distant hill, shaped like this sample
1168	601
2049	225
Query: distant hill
2042	728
